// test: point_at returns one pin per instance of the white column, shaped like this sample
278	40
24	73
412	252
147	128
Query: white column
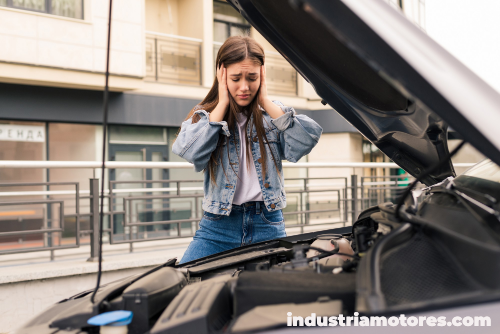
208	43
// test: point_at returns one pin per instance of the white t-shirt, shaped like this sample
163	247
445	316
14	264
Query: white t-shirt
247	184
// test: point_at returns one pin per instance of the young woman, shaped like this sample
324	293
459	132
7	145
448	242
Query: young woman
239	138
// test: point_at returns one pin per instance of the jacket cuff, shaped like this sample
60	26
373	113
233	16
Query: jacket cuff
285	121
224	128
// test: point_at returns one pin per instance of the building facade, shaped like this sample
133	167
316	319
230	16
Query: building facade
162	64
52	63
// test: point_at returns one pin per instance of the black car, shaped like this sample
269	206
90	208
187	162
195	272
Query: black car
436	255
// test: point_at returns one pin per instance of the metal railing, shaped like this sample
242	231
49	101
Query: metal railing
173	59
379	189
166	209
50	223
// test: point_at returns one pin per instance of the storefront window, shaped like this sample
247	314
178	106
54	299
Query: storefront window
73	142
21	141
83	142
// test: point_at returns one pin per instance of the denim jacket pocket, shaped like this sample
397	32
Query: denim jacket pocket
211	216
273	218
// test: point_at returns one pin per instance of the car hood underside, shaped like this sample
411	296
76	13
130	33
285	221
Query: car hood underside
360	58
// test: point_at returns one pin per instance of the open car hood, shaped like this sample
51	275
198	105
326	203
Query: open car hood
385	76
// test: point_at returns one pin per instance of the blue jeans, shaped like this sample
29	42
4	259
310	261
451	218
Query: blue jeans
247	223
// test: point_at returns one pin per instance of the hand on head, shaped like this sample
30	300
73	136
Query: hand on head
263	86
222	79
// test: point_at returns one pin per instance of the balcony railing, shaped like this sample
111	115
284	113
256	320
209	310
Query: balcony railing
281	76
173	59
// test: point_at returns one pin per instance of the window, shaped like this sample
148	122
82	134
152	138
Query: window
67	8
21	141
396	3
228	22
371	153
126	134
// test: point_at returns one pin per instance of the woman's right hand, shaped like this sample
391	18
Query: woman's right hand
217	115
223	92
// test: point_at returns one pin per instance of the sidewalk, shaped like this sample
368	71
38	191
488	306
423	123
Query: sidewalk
70	262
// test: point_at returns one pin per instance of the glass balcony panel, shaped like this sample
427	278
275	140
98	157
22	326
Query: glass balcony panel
173	60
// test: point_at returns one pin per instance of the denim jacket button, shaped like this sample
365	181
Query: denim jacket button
259	160
267	186
255	139
273	206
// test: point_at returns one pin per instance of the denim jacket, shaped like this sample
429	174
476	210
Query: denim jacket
290	137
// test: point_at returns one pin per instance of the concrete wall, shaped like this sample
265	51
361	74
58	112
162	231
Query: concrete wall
36	46
191	18
56	41
162	16
49	50
20	302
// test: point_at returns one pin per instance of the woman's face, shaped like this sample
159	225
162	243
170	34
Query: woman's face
243	81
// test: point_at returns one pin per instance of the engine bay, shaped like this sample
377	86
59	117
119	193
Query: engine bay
378	266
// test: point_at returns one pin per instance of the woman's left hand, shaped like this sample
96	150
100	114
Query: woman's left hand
272	109
263	87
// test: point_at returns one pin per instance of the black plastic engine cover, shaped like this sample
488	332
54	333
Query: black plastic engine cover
270	288
200	308
149	296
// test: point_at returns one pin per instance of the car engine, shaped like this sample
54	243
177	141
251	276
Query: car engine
379	265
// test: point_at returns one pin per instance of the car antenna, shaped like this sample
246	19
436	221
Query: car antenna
104	126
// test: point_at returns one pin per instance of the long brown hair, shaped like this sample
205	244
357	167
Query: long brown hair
234	50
